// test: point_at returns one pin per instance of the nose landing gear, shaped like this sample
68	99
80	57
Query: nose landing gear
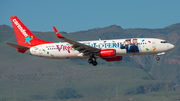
157	58
159	54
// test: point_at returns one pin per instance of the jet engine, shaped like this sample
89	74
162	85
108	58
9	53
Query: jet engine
109	55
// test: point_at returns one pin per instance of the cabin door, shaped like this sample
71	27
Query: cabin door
40	50
154	43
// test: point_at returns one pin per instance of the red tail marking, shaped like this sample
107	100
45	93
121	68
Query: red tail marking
57	33
24	36
21	50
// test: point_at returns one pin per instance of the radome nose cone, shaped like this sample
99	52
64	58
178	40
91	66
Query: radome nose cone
171	46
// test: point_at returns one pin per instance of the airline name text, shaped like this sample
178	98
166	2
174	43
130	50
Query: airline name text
20	28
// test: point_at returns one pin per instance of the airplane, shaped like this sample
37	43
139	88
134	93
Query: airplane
109	50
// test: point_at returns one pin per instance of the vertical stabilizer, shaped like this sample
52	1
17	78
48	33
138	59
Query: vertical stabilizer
24	36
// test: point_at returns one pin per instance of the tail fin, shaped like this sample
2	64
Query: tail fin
24	36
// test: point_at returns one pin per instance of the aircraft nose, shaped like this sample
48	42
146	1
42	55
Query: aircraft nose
170	46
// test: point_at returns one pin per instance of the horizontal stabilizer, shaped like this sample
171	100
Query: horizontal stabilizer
21	49
17	46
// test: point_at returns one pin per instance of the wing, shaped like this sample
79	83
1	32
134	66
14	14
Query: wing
86	50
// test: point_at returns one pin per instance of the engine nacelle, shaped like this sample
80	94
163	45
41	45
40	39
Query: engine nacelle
117	58
107	53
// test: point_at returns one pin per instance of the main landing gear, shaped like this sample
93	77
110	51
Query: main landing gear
92	60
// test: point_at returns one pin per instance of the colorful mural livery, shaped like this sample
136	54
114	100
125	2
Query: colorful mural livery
28	39
147	49
130	45
66	47
154	49
109	50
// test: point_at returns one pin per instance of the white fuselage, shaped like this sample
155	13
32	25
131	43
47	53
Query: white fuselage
64	50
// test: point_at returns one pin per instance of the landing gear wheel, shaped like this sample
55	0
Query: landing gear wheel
94	63
90	61
158	58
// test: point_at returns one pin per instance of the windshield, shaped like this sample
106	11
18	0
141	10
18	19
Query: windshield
164	42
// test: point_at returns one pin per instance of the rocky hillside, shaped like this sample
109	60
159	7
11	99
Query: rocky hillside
167	69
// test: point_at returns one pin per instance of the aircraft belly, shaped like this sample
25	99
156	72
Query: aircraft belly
120	51
67	55
28	52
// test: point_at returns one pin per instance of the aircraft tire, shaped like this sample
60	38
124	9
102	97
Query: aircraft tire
94	63
158	58
90	61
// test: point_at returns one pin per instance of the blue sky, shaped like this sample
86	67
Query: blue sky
78	15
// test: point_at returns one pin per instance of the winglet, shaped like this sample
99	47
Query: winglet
57	33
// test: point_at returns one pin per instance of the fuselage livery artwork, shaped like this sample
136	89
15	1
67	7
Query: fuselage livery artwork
109	50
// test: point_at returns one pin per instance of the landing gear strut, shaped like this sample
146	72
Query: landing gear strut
92	60
159	54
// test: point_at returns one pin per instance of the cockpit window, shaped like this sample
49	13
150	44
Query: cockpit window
164	42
